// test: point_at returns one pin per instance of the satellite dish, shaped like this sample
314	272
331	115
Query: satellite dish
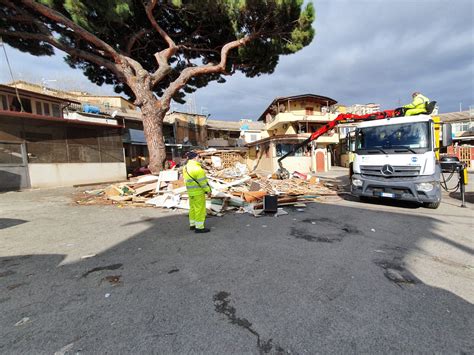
114	114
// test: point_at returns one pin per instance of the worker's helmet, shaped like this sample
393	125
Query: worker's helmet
192	155
415	94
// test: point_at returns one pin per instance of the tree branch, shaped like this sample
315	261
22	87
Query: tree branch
163	56
134	39
171	50
70	50
197	49
81	32
190	72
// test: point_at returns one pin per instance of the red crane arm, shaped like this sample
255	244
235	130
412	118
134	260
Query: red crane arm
341	118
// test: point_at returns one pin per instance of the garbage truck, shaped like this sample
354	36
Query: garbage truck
398	158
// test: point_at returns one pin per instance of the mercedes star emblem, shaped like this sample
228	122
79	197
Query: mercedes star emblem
387	170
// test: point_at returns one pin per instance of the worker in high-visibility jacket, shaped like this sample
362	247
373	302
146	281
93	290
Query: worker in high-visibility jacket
417	106
197	187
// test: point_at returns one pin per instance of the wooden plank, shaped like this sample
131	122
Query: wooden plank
146	188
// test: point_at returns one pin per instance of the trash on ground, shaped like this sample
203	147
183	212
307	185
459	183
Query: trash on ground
114	280
234	189
88	256
22	321
64	349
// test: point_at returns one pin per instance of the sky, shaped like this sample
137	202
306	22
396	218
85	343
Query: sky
364	51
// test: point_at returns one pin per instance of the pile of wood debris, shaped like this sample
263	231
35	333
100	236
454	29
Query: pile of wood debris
233	189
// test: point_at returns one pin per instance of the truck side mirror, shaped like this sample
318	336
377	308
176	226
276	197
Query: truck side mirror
348	142
446	135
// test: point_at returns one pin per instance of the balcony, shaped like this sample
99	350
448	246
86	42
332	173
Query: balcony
288	117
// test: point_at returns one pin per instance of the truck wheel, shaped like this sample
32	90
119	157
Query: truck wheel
432	205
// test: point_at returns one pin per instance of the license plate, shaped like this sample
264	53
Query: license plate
385	194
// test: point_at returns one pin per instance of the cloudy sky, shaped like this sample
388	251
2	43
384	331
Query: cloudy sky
364	51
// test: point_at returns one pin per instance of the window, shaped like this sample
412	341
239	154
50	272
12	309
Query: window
3	101
309	111
406	136
461	127
26	103
56	110
39	108
253	137
282	149
14	104
46	109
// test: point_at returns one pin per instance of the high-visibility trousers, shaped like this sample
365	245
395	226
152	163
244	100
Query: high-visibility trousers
197	211
414	111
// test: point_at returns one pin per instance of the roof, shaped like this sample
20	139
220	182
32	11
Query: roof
54	119
223	125
34	94
78	94
252	126
322	99
456	116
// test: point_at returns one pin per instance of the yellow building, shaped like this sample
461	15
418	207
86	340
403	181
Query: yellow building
289	121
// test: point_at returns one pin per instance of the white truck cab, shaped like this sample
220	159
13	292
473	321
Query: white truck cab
397	158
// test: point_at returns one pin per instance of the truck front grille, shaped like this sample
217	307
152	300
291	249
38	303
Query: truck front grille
393	171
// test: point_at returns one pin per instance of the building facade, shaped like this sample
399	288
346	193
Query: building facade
41	147
289	121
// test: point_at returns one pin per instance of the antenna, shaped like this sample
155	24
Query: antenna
44	81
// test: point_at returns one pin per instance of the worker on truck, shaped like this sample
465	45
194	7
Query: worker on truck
417	106
197	187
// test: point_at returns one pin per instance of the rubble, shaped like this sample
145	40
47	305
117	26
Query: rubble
234	188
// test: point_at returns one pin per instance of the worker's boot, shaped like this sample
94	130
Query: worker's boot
202	230
192	227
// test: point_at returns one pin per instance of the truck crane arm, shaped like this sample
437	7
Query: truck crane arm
341	118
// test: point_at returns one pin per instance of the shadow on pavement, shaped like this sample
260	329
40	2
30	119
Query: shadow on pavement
10	222
468	196
330	279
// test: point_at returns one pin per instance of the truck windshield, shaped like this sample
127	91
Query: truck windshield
398	138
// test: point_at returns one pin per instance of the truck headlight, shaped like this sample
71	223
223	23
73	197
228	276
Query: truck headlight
425	186
357	182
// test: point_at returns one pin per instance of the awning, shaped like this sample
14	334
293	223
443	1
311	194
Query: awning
134	136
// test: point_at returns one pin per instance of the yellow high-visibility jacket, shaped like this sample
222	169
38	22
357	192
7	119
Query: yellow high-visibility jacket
419	102
195	179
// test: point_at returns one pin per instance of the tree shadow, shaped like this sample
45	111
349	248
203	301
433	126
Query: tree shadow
10	222
330	279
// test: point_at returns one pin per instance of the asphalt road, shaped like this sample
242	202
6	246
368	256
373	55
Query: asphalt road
338	277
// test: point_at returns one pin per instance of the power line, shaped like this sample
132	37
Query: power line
2	44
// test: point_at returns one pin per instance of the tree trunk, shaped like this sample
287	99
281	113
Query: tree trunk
153	116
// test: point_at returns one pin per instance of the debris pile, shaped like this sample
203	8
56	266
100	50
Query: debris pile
234	188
